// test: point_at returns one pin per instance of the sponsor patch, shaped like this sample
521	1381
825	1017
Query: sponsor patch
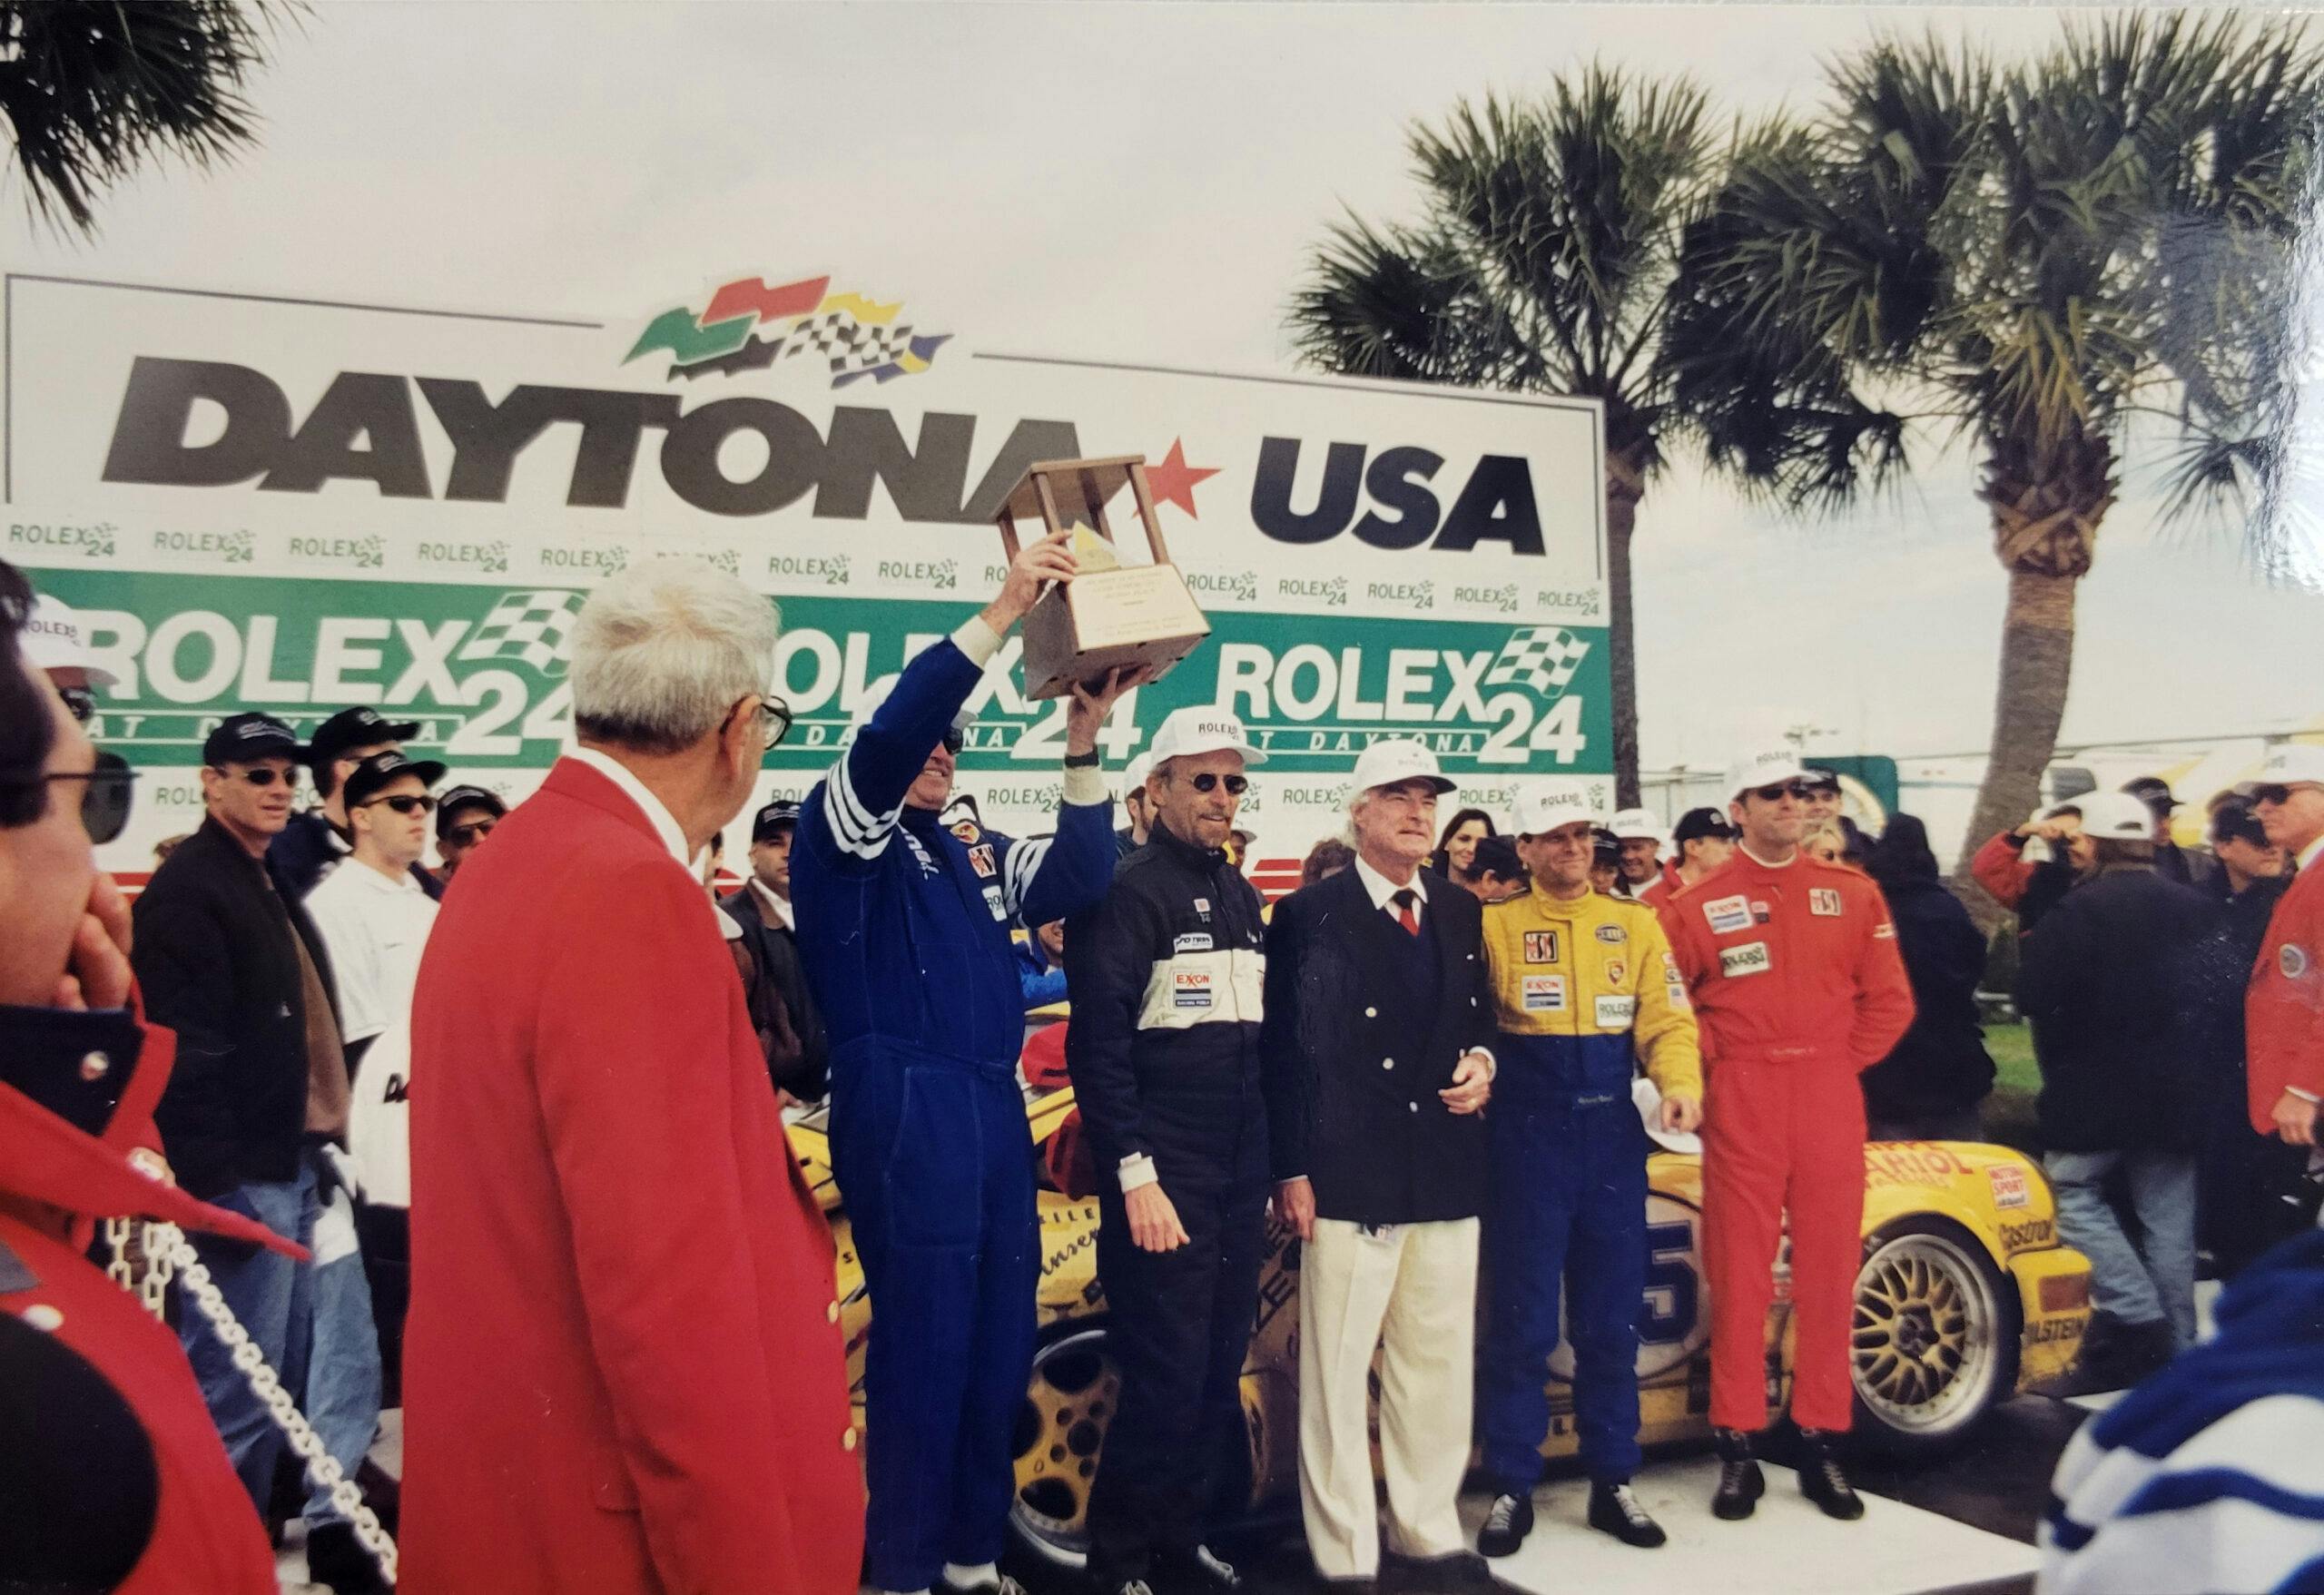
1824	900
1615	1013
1540	947
981	859
2009	1185
1884	931
1760	912
2292	960
1192	941
1750	959
1202	909
1677	995
1612	935
1617	973
1542	993
1726	915
966	830
992	901
1190	988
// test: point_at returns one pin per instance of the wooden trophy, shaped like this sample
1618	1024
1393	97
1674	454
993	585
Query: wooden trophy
1111	614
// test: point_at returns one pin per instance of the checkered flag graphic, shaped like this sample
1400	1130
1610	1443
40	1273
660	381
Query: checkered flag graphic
846	343
527	625
1544	657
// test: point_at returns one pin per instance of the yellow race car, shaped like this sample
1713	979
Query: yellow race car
1965	1297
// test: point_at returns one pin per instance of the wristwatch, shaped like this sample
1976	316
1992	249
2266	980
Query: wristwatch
1087	761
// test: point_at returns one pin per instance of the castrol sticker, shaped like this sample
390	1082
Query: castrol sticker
1750	959
1543	993
1727	914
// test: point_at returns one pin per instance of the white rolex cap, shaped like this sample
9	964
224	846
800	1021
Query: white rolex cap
1641	823
54	641
1203	728
1545	805
1396	760
2293	764
1763	767
2116	817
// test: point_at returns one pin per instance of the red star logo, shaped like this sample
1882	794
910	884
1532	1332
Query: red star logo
1172	480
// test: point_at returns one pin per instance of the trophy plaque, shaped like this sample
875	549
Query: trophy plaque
1111	615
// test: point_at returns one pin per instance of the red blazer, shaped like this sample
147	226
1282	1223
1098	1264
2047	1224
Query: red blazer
2283	1010
622	1367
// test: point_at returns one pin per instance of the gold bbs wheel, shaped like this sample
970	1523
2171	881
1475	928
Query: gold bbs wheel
1068	1403
1934	1341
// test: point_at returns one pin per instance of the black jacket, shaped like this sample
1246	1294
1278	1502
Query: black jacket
774	952
2237	933
1376	1143
2111	982
1940	1065
216	963
1166	977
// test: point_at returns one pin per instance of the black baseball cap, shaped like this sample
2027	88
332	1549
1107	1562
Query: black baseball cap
242	738
2233	818
2154	792
455	799
381	770
778	815
356	728
1696	823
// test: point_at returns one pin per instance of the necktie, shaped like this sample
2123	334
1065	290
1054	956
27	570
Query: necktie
1405	914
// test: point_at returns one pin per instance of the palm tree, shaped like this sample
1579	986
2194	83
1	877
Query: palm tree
88	90
1542	263
2065	264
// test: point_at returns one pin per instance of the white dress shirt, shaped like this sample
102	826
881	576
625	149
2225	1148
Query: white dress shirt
1379	888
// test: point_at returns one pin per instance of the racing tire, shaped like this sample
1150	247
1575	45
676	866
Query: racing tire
1935	1338
1069	1401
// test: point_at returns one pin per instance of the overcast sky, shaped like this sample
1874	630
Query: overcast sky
1143	181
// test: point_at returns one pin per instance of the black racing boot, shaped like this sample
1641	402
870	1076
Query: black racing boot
1821	1479
335	1557
1740	1482
1507	1523
1614	1509
1194	1572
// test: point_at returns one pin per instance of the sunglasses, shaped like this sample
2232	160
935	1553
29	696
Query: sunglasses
467	835
80	702
406	802
1236	785
263	775
2279	793
1782	789
954	740
106	799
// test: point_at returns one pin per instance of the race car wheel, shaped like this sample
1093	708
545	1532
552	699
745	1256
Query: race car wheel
1935	1344
1068	1403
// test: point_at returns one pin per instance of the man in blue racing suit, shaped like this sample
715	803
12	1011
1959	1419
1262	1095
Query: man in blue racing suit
904	935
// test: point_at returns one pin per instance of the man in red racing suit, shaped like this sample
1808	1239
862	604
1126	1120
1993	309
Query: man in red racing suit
1798	987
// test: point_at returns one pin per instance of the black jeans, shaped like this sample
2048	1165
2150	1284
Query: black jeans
1180	1325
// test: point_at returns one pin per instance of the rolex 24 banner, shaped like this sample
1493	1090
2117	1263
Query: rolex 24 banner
299	504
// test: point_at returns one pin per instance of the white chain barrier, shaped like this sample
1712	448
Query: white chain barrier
168	1254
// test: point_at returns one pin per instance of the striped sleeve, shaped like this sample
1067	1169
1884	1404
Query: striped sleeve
2238	1506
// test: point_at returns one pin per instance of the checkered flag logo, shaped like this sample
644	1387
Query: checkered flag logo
531	626
1544	657
846	344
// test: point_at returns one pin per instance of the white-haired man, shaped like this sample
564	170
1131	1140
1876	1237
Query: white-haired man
623	1368
904	928
1167	977
1377	1070
2284	1010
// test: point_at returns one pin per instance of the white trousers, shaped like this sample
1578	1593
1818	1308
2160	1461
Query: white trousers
1410	1289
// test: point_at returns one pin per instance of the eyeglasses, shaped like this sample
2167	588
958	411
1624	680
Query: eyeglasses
469	834
263	775
2279	793
405	802
104	801
80	702
774	719
1236	785
1782	789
